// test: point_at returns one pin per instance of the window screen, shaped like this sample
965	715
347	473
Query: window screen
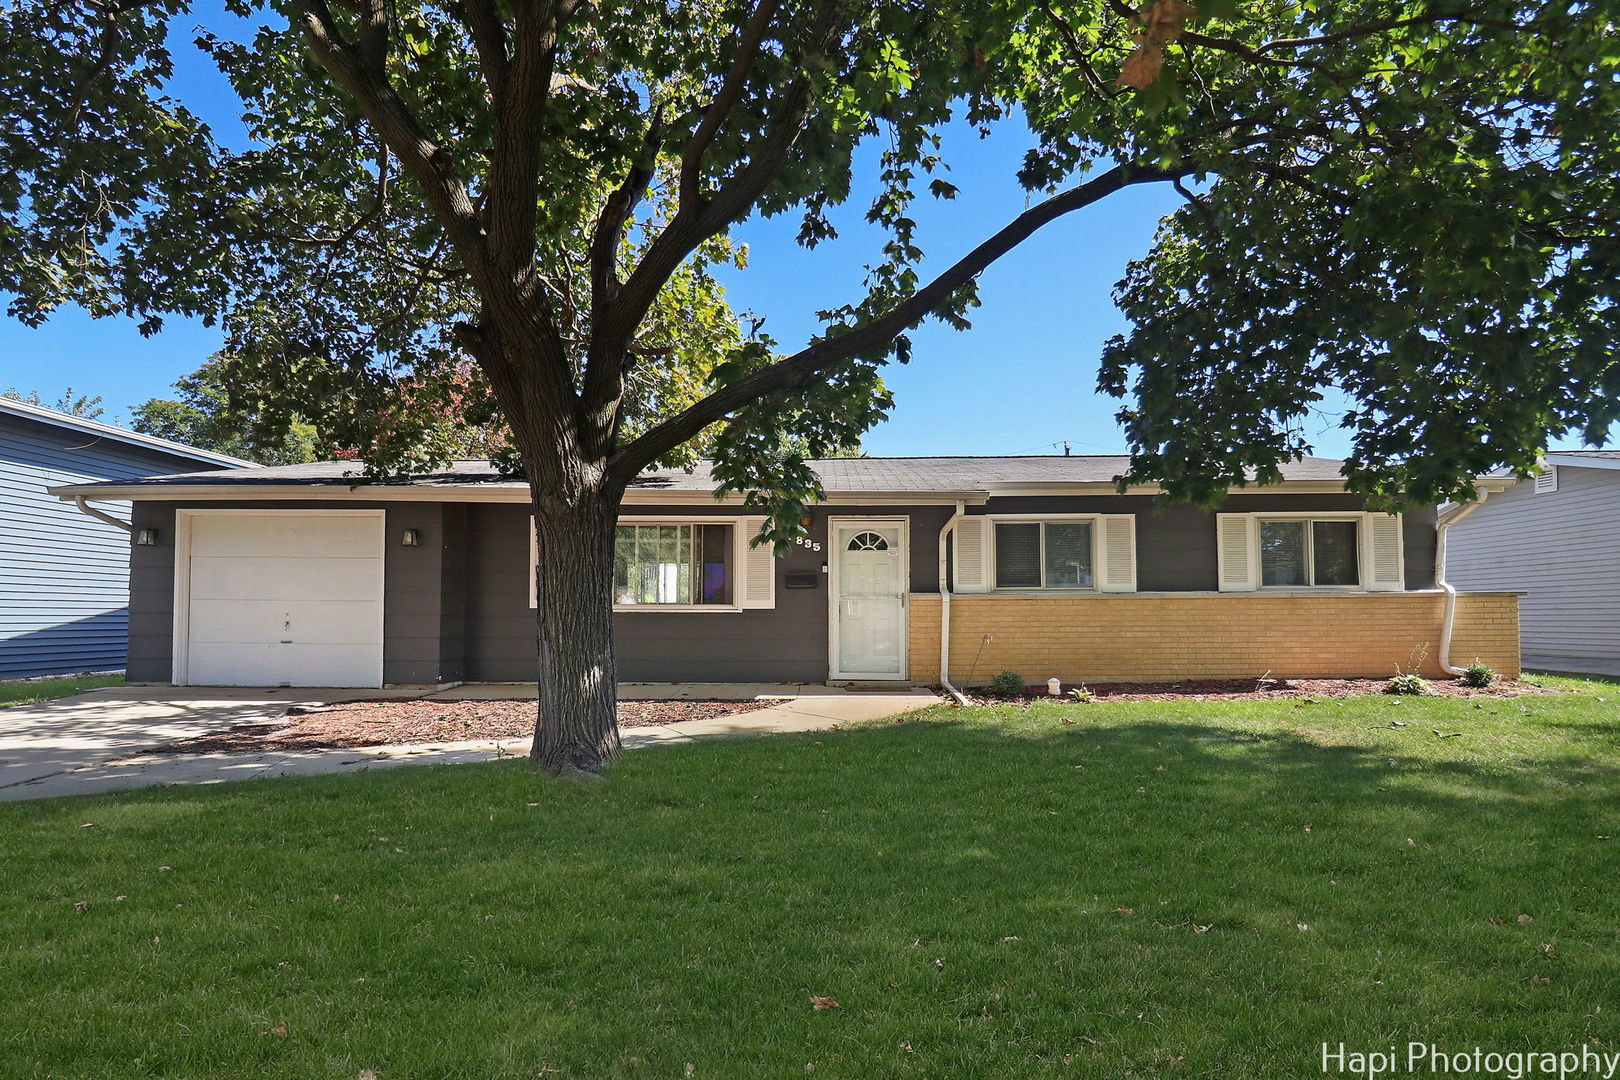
1300	553
1018	556
1068	554
1282	553
1334	559
1044	555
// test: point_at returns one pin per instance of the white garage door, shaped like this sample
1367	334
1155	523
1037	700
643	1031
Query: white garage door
282	598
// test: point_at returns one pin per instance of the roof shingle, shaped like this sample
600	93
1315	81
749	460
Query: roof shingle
853	475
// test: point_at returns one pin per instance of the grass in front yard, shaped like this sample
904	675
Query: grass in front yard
1201	890
29	691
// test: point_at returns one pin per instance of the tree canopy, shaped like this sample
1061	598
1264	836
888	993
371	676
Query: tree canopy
202	414
1412	203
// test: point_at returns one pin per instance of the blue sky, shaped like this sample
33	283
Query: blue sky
1021	381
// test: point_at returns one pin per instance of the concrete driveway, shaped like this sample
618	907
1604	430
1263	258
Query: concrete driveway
55	747
101	741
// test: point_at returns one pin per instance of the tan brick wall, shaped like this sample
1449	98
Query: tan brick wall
1166	638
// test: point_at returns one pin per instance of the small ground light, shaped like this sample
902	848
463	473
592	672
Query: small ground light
1054	687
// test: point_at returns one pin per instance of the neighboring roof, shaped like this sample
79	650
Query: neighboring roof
1585	459
869	477
117	434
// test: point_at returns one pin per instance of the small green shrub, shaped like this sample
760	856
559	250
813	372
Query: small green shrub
1083	694
1404	683
1477	675
1007	684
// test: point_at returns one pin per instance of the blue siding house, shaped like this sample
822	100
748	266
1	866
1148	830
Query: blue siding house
64	575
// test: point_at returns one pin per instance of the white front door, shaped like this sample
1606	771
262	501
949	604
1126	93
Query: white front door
280	598
870	577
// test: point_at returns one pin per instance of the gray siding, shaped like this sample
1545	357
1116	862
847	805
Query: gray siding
787	643
64	576
1561	549
457	607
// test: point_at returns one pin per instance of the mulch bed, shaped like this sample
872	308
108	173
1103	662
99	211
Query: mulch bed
353	724
1249	690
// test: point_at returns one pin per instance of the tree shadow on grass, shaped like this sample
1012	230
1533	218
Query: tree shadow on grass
1136	893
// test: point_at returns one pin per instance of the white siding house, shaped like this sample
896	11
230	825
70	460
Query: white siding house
1556	539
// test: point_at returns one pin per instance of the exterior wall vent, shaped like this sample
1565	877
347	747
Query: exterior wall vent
1547	479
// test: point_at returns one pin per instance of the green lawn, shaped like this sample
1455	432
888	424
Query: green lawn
1197	890
28	691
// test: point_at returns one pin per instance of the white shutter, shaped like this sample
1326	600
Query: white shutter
1117	565
1234	541
1385	566
972	555
758	577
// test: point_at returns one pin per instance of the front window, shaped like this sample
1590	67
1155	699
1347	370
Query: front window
1299	553
681	565
1043	555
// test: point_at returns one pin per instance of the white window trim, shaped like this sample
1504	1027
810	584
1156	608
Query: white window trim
739	562
1363	552
1094	520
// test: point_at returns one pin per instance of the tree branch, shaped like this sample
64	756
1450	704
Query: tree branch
1370	28
1076	48
518	136
831	351
483	19
1301	179
693	224
604	369
730	90
1257	53
1198	206
427	162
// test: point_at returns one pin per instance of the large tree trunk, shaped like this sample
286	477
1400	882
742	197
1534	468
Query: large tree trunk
577	727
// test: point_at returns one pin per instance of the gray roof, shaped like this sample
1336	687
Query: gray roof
853	475
95	428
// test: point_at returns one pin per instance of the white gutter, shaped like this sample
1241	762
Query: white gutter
493	491
1481	493
101	515
945	609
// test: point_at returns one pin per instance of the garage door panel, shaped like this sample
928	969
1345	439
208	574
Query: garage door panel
292	599
215	577
285	536
218	664
272	622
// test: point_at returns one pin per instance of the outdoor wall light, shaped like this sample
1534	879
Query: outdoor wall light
146	537
410	538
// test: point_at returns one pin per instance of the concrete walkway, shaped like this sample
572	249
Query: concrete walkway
101	741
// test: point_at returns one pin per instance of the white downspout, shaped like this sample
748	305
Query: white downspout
1480	495
945	609
101	515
